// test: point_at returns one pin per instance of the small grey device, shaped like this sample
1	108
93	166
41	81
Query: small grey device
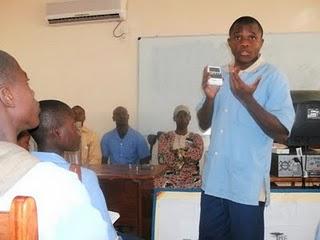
215	76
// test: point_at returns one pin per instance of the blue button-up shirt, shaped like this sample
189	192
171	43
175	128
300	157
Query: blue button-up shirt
129	149
239	156
90	181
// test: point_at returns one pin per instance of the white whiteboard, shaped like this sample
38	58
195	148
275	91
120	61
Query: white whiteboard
293	215
170	71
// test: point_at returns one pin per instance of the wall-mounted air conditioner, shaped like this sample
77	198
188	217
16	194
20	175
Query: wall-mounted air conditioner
86	10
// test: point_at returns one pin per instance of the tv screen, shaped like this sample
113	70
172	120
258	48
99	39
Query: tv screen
306	127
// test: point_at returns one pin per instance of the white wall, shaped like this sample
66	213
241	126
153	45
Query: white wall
83	64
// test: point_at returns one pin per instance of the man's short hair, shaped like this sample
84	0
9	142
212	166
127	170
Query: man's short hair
8	67
52	115
245	20
118	109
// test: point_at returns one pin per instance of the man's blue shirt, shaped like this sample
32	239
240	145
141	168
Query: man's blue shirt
239	156
129	149
89	180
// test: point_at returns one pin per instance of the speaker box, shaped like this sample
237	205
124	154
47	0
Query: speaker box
283	165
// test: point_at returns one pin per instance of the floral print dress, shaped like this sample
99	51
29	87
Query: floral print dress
181	154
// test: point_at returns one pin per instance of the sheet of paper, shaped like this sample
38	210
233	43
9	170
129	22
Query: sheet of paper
114	216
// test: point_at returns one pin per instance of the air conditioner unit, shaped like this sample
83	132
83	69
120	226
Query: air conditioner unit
86	10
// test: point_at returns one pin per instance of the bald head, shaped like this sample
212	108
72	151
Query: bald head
8	67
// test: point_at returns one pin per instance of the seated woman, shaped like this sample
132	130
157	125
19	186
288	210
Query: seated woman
181	151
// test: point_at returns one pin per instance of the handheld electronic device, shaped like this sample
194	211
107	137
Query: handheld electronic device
216	75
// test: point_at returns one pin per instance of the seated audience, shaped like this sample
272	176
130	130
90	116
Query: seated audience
124	145
181	151
63	206
90	147
56	133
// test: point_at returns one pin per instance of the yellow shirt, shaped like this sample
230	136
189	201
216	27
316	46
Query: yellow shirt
90	147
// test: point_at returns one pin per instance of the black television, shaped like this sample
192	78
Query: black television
306	128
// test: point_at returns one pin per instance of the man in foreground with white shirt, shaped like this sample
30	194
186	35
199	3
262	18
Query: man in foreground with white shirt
63	205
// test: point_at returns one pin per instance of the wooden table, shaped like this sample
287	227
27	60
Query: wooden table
294	180
128	191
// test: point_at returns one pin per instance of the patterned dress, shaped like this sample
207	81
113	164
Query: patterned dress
181	154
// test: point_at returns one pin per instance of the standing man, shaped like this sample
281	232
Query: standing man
123	144
252	108
90	148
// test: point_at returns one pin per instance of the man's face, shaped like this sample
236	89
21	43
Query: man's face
121	116
245	42
182	120
69	136
26	108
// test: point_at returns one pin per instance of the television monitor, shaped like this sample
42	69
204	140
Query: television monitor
306	128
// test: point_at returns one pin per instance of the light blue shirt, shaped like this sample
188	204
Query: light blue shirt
239	156
90	181
318	232
130	149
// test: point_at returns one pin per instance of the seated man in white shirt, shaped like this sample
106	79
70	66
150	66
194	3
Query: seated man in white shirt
63	205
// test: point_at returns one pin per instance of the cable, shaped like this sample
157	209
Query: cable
114	31
299	159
